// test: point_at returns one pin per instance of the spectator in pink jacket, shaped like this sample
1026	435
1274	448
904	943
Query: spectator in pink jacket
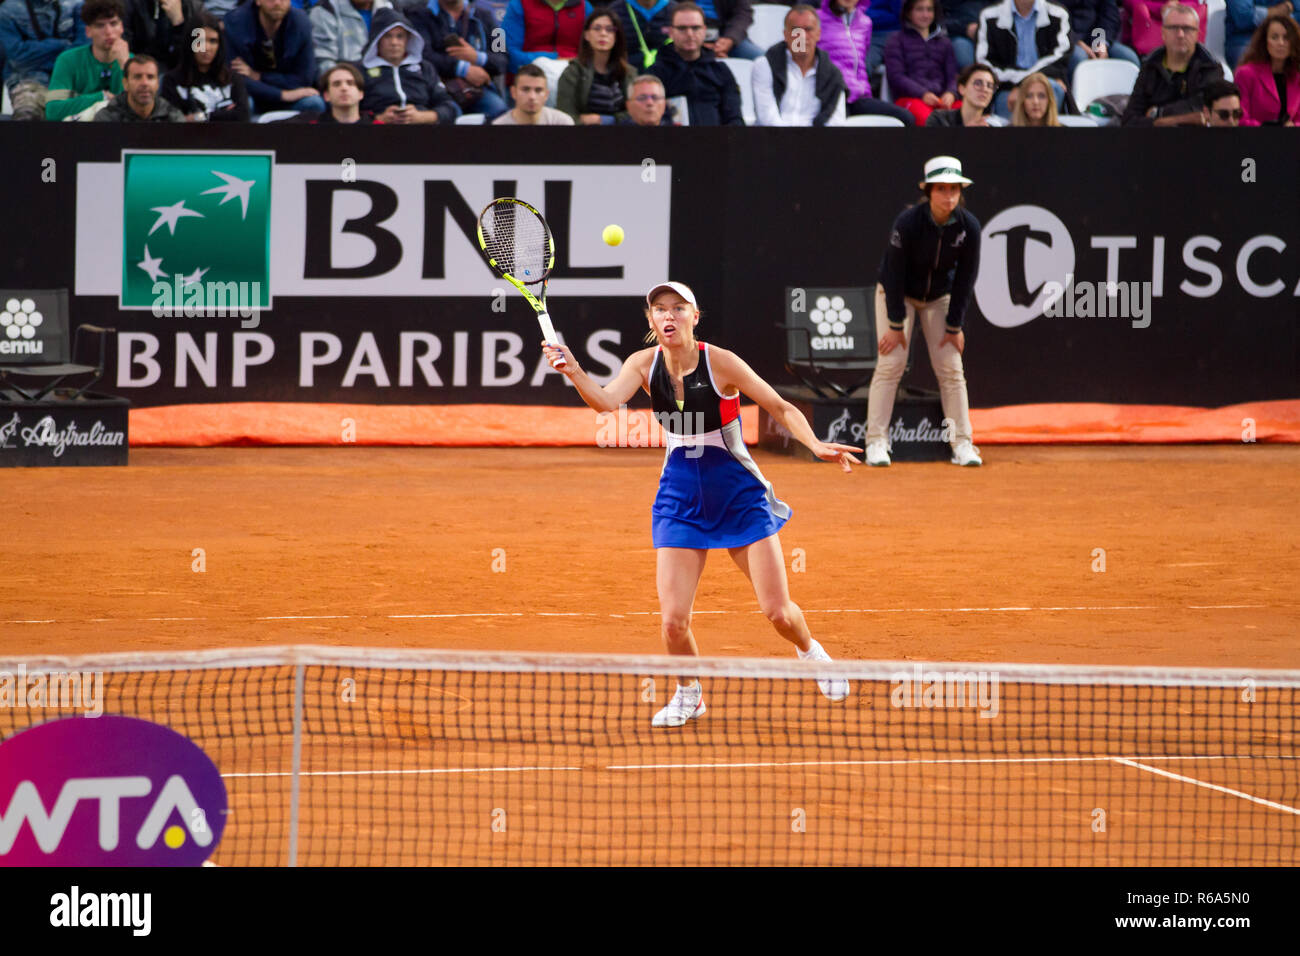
920	64
846	39
1269	75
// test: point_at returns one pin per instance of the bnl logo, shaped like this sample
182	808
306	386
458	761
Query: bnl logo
175	797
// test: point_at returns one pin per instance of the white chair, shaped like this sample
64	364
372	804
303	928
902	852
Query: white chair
471	119
743	71
868	120
1096	78
1216	20
769	24
1081	121
552	68
276	115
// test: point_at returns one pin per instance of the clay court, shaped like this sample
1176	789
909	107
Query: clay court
530	550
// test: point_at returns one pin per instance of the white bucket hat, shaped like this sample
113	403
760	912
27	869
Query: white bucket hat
943	169
680	288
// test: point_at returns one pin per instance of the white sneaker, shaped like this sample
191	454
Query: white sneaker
878	453
833	688
966	454
687	704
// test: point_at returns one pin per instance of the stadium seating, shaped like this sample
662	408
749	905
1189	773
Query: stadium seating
552	68
868	120
743	71
471	119
1097	78
1081	121
1216	21
276	115
769	24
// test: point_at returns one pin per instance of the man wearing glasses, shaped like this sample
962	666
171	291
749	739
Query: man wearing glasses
1170	88
87	77
647	104
688	69
1222	104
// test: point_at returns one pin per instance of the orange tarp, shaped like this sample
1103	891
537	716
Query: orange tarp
296	423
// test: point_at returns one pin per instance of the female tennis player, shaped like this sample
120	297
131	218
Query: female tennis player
711	494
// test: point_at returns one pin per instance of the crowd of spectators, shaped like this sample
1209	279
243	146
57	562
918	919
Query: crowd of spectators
638	62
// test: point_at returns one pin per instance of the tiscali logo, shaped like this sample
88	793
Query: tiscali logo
1024	249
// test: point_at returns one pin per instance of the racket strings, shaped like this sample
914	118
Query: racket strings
517	240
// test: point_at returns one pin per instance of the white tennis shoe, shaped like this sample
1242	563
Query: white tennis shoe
966	454
878	453
687	704
832	688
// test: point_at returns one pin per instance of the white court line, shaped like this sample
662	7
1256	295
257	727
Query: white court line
766	764
297	617
386	773
835	610
1208	786
400	617
914	760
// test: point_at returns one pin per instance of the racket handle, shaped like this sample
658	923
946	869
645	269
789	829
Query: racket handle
548	333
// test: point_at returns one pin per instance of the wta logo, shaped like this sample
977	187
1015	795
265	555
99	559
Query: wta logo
107	791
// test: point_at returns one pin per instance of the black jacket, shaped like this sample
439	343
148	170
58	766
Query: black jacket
147	30
414	82
217	102
315	118
957	15
925	263
434	24
996	42
707	83
1089	15
828	81
1171	95
735	17
944	118
119	111
654	33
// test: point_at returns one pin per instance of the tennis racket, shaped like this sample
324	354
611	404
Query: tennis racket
517	243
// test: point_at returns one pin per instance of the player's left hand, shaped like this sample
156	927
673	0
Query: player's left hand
830	451
956	339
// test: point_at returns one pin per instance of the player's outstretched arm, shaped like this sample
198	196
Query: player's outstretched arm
603	398
730	368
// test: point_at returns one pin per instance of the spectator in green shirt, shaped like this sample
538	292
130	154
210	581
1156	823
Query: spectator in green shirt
87	77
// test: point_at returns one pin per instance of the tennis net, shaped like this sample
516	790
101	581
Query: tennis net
347	756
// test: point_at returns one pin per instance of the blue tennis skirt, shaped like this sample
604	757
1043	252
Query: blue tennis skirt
712	501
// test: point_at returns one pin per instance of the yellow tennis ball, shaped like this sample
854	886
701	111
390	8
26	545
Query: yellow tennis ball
174	836
613	235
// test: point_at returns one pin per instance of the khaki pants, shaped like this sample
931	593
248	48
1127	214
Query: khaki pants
889	368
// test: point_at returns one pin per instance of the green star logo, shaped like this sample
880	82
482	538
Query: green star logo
202	217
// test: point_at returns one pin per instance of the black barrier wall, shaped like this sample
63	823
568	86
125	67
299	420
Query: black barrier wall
376	294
